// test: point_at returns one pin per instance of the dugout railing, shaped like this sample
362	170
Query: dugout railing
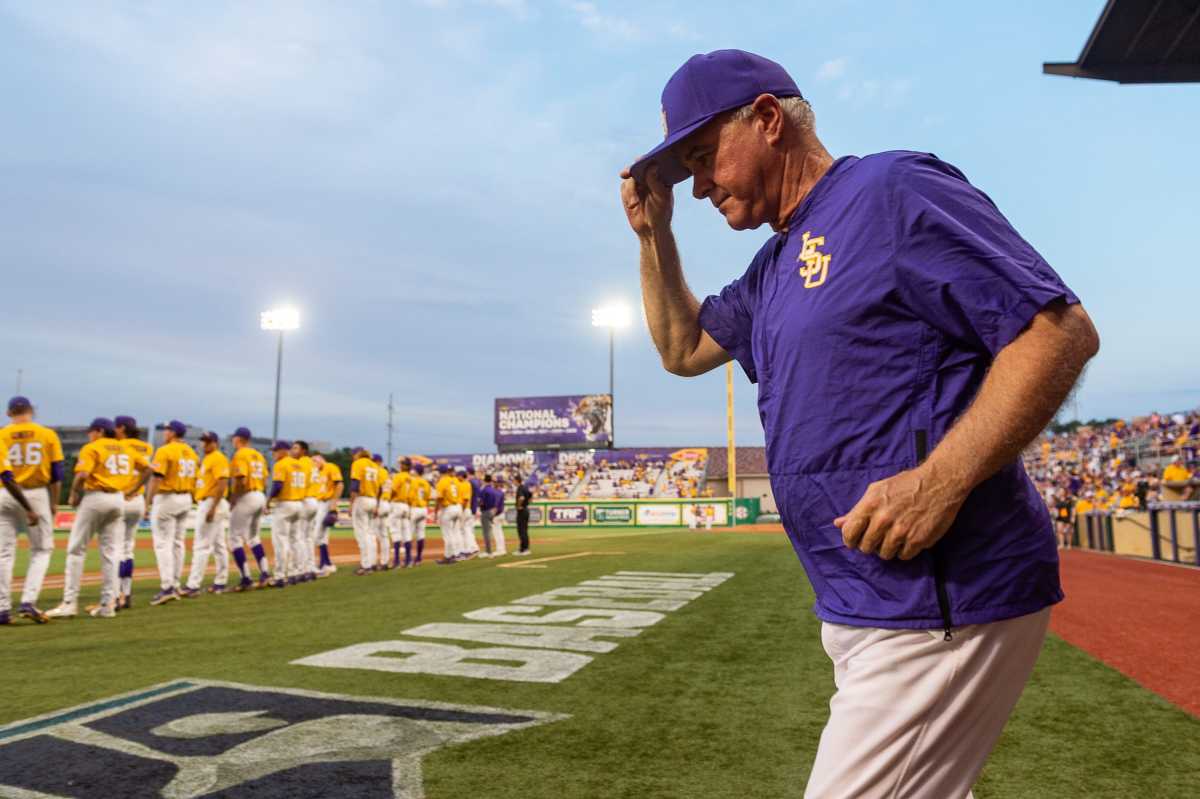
1166	531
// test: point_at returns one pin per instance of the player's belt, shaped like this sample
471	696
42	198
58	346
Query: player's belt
189	493
103	490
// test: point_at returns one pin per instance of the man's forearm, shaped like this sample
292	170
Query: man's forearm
672	311
1026	385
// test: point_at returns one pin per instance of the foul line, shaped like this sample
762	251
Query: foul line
533	564
33	725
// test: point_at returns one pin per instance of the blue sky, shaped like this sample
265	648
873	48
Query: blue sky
434	185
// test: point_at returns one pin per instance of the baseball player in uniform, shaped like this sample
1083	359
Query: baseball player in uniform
135	504
172	483
289	484
247	501
364	504
307	537
101	470
327	487
383	515
8	546
500	547
471	510
908	345
449	504
35	458
212	514
398	520
419	494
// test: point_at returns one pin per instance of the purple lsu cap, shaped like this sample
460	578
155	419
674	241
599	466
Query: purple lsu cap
210	435
101	424
281	444
242	432
177	427
377	458
128	422
419	468
705	86
19	404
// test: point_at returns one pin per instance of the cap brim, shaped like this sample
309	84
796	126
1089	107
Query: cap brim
670	169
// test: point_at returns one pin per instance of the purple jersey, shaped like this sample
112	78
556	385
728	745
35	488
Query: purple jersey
869	325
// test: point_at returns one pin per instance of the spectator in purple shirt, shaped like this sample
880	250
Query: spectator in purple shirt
908	344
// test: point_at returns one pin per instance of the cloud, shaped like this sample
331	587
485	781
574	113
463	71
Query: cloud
590	16
832	69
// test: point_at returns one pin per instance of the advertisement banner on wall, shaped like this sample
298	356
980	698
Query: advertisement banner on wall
612	514
576	420
536	516
652	513
699	514
567	514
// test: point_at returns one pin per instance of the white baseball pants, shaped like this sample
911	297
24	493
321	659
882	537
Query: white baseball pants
416	523
210	540
287	535
41	543
398	522
916	716
322	537
361	516
245	519
382	526
450	520
168	527
467	528
100	514
307	535
497	532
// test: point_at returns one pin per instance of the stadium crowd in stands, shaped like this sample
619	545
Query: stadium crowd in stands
1116	466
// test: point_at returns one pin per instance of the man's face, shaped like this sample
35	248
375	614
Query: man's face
318	460
93	435
209	446
296	453
726	160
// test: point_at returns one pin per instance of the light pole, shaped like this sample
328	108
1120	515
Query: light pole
614	315
280	319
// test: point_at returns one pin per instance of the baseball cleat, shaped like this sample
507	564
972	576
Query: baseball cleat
361	571
63	611
245	584
5	618
280	583
28	611
216	588
264	579
125	602
291	580
164	596
189	593
102	612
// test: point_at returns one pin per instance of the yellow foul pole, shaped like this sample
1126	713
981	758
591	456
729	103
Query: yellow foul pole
731	451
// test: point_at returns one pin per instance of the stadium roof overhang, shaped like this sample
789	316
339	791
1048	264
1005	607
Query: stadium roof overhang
1140	41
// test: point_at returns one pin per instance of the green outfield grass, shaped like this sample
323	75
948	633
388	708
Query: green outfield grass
725	697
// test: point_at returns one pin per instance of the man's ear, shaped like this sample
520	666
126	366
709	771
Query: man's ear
768	114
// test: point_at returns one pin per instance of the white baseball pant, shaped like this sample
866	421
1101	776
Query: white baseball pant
450	520
914	715
210	540
398	522
41	544
168	526
287	533
100	514
416	523
361	517
308	535
245	519
467	525
135	511
382	527
497	532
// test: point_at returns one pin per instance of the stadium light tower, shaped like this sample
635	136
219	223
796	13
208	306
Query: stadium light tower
280	319
613	316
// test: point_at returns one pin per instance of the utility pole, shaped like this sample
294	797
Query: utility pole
20	374
389	432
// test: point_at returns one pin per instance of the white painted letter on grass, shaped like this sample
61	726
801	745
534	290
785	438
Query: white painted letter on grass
518	665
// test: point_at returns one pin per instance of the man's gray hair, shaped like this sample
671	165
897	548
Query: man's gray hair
797	110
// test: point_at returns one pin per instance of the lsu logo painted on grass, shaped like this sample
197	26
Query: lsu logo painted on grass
196	738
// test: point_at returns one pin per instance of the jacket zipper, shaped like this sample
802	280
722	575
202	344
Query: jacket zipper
939	562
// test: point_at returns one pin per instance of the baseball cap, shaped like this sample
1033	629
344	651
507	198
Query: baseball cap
177	427
706	85
243	432
101	424
419	468
470	470
443	468
209	435
281	444
377	458
128	422
19	404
